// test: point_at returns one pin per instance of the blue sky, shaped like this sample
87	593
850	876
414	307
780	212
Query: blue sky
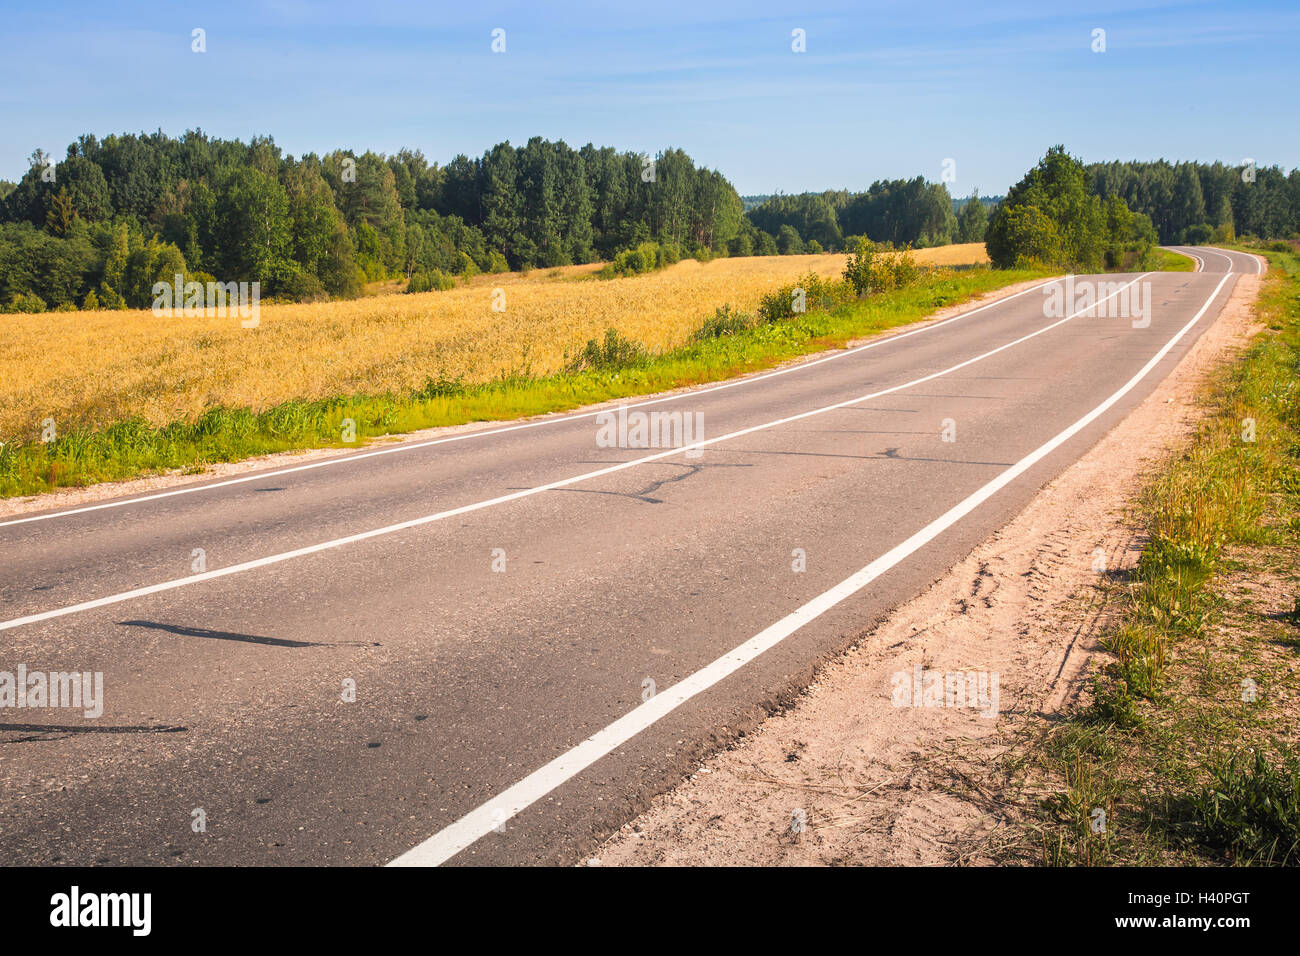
883	91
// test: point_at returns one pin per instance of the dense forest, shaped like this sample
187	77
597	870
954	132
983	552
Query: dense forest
1186	203
98	228
1200	202
901	211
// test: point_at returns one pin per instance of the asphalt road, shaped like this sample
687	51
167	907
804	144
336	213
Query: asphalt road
499	598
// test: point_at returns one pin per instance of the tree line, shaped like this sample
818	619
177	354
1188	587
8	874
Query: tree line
98	228
1185	203
902	212
1111	215
1191	203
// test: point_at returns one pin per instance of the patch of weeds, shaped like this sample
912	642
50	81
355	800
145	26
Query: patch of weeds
1251	812
614	353
724	321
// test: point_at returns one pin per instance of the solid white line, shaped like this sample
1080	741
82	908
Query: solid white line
1254	259
451	840
515	496
1231	254
488	433
1220	252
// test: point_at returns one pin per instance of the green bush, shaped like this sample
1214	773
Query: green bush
644	257
724	321
302	286
434	280
895	269
468	267
812	292
857	271
109	298
871	268
26	302
635	261
669	253
615	352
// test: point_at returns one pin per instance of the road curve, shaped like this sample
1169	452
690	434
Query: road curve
540	631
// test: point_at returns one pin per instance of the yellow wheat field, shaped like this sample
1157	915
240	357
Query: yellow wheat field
93	368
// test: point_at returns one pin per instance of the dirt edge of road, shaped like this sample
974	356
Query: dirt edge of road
842	775
91	494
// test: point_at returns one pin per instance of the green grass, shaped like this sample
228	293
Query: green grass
1166	261
1187	766
1251	809
604	371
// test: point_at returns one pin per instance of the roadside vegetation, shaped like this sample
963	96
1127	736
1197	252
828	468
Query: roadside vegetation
1051	219
1165	261
1187	748
886	288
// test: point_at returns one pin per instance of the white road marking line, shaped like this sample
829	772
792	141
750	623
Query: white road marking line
451	840
488	433
1220	252
1256	261
525	493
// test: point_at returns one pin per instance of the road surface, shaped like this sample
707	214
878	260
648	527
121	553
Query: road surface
540	631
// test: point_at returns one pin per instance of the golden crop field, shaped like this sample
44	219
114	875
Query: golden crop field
959	254
94	368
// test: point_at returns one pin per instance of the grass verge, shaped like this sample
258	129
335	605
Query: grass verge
614	369
1186	751
1166	261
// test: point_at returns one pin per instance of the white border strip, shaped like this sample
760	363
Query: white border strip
525	493
1257	261
451	840
1220	252
488	433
